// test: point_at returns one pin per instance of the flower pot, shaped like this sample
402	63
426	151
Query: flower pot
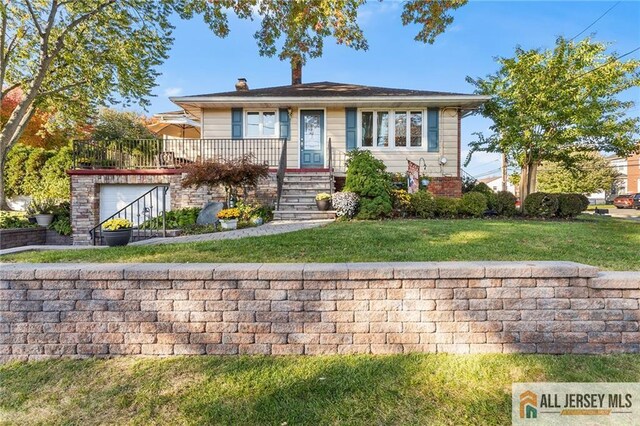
257	221
323	205
44	219
121	237
229	223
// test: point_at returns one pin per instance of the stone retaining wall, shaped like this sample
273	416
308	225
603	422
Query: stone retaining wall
80	310
10	238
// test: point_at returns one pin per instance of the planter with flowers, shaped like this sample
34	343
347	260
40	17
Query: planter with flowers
323	201
117	232
229	218
42	211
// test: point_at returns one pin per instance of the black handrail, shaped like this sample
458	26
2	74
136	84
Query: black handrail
282	167
330	167
143	219
171	153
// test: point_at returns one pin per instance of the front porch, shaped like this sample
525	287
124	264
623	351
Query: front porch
175	153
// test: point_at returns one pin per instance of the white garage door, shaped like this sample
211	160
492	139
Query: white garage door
116	197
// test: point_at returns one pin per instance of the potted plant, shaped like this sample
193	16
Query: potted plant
323	201
117	232
229	218
42	210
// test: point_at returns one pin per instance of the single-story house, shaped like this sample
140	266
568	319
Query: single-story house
302	131
496	184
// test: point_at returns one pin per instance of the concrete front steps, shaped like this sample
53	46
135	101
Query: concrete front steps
298	200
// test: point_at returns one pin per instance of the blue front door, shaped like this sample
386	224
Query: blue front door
311	139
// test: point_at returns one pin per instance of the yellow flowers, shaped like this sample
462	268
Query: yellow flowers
117	224
323	196
229	213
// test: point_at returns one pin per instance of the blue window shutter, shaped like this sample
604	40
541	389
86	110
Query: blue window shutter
285	124
351	130
432	130
236	123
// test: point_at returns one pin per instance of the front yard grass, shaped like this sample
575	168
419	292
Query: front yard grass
611	244
398	389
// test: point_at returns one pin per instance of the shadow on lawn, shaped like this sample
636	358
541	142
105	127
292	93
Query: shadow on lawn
402	389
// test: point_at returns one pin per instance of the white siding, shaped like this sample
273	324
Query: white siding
217	125
396	160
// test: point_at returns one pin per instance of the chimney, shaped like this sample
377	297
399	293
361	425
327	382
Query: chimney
241	85
296	72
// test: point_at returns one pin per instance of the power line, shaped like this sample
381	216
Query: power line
594	22
606	63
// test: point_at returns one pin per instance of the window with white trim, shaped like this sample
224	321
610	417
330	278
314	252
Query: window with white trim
391	129
261	124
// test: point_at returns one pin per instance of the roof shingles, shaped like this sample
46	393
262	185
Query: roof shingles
324	89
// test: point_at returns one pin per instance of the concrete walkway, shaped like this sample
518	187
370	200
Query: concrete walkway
271	228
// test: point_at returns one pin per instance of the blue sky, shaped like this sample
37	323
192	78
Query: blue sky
201	63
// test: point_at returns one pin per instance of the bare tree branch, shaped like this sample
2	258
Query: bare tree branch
34	18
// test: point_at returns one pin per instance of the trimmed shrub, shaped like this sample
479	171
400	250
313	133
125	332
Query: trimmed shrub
14	169
446	207
473	204
401	202
33	183
505	203
584	201
374	208
484	189
55	180
367	177
541	204
569	205
424	204
345	203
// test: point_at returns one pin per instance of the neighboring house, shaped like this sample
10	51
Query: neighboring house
629	169
302	131
628	181
495	183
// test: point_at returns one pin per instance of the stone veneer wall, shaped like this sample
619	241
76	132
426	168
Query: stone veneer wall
85	194
81	310
10	238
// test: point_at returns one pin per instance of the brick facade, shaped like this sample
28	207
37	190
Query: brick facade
82	310
447	186
85	194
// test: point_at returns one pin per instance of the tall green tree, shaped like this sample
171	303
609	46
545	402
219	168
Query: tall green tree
112	125
590	172
74	56
547	105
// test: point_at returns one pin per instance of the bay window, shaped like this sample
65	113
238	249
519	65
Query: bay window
261	124
391	129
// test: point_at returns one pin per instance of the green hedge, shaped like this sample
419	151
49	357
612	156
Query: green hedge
38	173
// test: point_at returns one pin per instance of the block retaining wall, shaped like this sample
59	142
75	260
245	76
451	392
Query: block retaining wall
82	310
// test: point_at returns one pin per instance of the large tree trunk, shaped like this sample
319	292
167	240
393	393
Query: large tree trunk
3	201
528	181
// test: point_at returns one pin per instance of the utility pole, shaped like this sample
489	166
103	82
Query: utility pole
504	171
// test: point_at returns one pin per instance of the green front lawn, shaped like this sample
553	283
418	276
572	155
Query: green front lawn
402	389
609	243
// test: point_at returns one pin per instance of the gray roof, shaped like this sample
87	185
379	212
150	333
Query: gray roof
324	89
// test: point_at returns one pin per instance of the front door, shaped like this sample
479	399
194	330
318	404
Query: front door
312	139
